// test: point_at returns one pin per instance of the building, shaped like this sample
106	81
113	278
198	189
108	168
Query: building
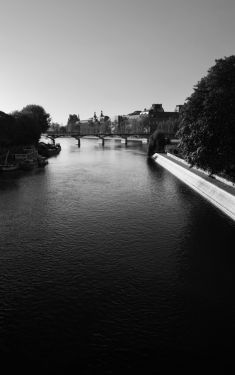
95	125
163	121
136	123
148	120
178	108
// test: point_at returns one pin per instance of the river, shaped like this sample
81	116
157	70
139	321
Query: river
109	261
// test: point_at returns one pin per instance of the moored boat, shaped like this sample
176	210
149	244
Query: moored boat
47	149
8	166
28	164
30	159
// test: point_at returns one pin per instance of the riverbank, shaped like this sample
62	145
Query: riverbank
218	193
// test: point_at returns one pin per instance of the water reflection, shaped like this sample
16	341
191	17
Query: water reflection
105	256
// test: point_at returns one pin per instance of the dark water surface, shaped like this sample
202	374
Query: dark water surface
109	261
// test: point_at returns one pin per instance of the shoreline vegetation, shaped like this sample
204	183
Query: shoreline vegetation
20	133
206	135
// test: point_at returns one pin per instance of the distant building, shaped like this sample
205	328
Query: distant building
88	127
157	108
148	120
134	114
105	123
95	125
137	122
164	121
178	108
95	118
145	112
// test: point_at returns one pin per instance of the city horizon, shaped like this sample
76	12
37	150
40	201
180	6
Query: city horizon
80	57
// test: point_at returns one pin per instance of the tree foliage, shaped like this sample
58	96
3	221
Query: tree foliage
105	125
27	131
169	126
39	116
54	127
7	126
73	123
23	127
157	142
207	128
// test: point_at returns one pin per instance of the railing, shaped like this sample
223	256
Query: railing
97	134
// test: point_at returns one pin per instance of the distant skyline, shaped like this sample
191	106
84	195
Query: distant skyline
75	56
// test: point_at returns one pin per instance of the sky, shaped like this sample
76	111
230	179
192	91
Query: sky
81	56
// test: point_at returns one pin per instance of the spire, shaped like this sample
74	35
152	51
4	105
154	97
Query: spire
95	117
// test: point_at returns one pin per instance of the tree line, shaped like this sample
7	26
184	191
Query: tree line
23	127
206	128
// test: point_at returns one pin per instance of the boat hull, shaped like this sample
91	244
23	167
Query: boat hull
48	150
9	168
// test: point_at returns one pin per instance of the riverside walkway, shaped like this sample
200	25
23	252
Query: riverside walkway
220	194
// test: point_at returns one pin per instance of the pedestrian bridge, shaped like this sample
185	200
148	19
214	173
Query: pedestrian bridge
123	137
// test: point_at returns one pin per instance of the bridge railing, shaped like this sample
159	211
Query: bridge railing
99	134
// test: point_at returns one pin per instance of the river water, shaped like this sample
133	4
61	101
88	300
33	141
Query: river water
109	261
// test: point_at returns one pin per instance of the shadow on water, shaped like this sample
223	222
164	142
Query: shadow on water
156	171
6	185
11	180
151	163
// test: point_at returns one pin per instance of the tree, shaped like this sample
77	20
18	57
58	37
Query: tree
63	129
207	127
169	126
157	142
54	127
38	115
26	131
23	127
73	120
105	125
73	123
144	124
7	126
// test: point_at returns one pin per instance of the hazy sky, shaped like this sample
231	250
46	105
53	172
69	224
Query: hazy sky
81	56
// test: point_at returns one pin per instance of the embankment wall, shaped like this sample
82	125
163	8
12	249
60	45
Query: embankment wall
216	195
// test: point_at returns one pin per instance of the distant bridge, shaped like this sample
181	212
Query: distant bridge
124	137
